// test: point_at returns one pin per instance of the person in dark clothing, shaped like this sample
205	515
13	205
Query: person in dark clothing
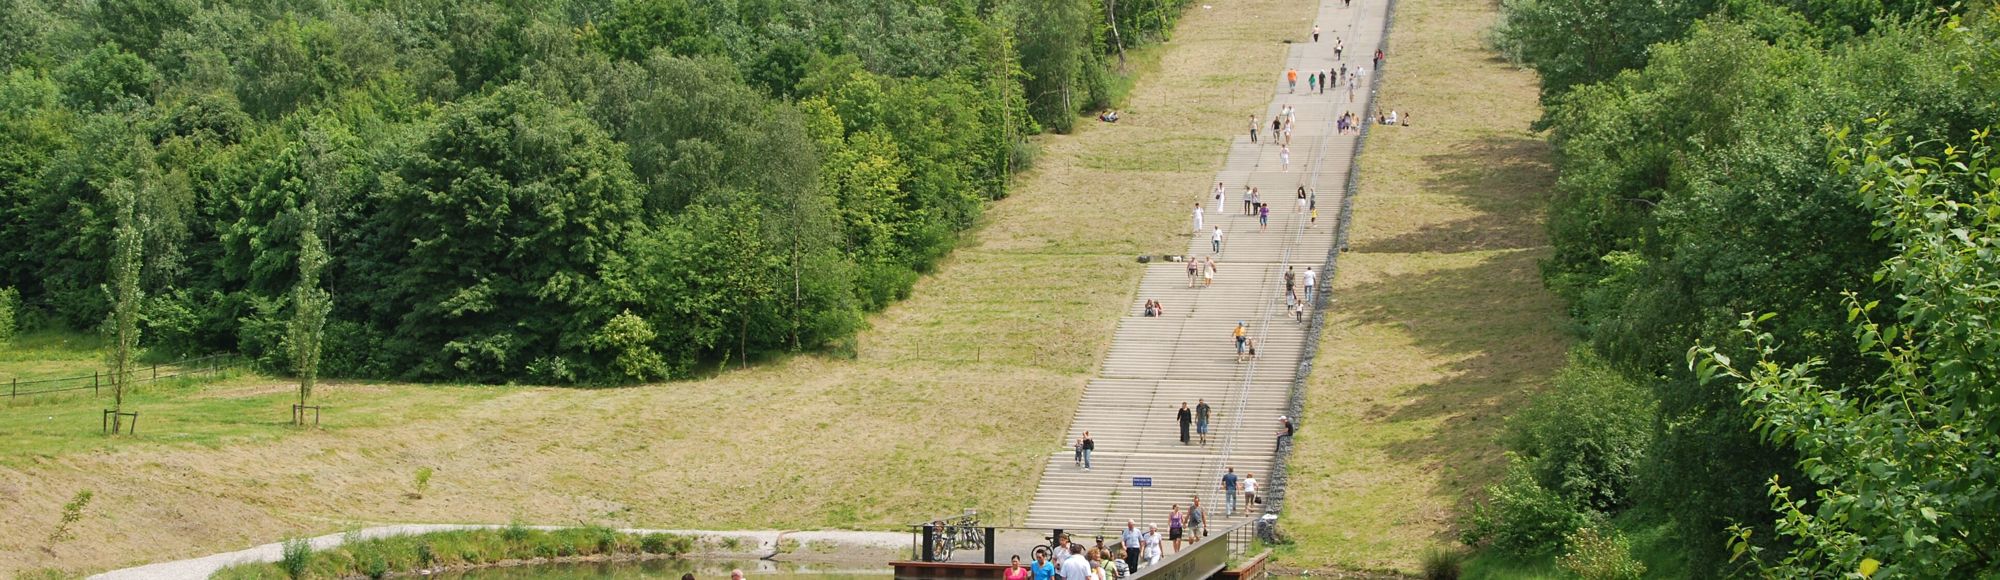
1201	411
1186	417
1088	446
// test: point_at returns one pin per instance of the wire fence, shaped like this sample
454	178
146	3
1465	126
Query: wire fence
97	381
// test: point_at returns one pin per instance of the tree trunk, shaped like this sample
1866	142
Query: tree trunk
1111	18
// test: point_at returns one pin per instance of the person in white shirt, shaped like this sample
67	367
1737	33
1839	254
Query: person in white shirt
1218	196
1215	240
1311	278
1152	541
1250	490
1197	218
1076	567
1134	541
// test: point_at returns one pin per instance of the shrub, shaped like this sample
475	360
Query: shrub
426	557
1443	563
603	538
423	481
1585	436
1596	555
664	544
1521	517
514	532
10	300
296	557
369	559
1021	155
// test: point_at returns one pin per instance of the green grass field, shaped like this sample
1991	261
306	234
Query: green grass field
949	401
46	355
1442	327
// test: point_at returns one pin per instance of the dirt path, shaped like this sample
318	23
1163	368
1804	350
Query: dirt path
949	402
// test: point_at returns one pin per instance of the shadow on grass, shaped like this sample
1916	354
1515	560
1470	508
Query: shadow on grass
1479	310
1503	178
1498	338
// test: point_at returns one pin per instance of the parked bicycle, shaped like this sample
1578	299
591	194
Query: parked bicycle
952	534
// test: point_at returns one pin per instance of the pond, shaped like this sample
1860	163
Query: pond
673	569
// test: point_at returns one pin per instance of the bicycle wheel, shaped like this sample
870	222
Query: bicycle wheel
944	545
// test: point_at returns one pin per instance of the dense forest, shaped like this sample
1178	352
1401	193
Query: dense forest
1775	226
560	191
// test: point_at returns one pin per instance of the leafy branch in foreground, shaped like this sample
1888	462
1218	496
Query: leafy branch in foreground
1908	462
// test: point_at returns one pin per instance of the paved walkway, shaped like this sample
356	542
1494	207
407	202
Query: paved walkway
1155	364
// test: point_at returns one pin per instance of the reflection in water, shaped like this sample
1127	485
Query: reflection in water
673	569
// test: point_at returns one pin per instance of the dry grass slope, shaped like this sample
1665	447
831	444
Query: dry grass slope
953	396
1442	326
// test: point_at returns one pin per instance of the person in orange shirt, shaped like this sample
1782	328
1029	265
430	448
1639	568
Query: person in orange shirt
1292	76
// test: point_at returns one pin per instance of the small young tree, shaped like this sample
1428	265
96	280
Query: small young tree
72	513
310	306
127	249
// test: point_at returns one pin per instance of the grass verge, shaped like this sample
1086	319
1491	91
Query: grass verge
422	553
1442	327
949	402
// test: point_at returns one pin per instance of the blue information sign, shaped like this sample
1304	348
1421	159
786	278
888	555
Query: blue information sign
1142	482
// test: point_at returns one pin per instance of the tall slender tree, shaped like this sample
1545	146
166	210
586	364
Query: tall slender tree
310	305
127	249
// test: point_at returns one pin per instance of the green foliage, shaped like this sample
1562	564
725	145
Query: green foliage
310	304
1695	188
1599	553
516	191
516	532
1520	517
1443	564
637	27
106	76
665	544
1903	461
513	207
1052	59
72	513
295	557
406	554
421	482
1587	434
124	323
10	305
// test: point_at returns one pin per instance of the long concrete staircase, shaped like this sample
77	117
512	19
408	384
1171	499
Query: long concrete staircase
1157	363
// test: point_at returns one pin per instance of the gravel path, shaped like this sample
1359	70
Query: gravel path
755	544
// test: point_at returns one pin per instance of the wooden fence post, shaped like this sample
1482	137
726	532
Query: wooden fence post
15	391
93	383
